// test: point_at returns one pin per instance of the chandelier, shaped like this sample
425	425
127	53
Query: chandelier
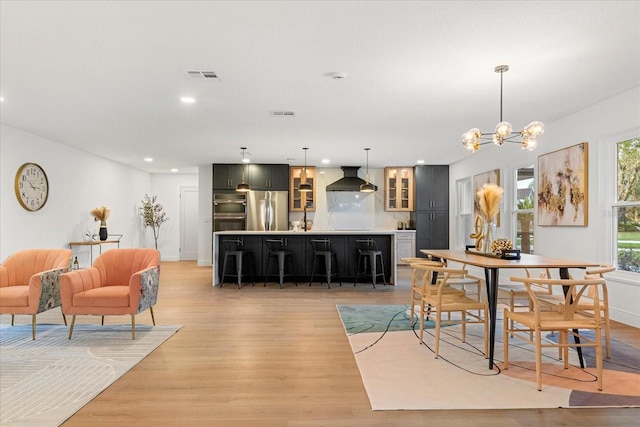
527	137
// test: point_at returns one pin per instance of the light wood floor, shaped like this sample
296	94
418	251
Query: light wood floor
271	357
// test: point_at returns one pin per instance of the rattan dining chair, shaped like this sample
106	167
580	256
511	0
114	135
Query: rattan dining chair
568	322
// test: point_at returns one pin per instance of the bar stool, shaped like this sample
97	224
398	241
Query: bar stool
368	255
234	251
323	250
279	251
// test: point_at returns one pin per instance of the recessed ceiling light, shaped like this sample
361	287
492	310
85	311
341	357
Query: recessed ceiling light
187	100
326	161
148	159
420	162
174	170
1	98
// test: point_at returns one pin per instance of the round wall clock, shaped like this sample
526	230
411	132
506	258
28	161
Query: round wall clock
32	186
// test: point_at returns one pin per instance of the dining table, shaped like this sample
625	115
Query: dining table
493	264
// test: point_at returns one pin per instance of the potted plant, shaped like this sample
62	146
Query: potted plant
153	215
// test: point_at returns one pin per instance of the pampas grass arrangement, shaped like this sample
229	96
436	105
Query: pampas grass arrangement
489	200
101	213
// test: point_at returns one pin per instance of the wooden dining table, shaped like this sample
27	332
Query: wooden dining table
492	266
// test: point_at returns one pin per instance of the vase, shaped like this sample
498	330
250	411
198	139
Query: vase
103	231
489	235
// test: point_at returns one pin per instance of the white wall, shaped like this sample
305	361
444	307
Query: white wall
596	125
78	183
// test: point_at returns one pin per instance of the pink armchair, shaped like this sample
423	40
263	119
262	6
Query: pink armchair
30	282
121	281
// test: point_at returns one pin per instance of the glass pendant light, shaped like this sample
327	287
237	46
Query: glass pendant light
243	187
367	187
305	187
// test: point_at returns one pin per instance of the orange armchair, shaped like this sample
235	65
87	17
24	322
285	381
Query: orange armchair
30	282
121	281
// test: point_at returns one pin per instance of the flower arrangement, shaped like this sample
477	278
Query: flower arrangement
489	201
153	215
100	213
498	246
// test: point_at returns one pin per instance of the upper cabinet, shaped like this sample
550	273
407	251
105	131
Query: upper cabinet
269	177
259	177
227	176
298	200
399	189
432	187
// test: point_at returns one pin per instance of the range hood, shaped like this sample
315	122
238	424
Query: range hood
350	181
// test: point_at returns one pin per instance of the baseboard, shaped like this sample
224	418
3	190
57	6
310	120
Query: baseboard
631	319
204	263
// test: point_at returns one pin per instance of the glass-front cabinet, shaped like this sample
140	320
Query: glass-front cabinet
297	199
398	189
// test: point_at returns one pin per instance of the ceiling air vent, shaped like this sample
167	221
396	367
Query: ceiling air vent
283	113
198	74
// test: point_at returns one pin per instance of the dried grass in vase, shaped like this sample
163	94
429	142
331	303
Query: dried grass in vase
489	200
100	213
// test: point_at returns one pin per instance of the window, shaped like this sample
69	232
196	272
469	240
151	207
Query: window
626	208
523	212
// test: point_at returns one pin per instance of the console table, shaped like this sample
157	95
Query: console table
111	239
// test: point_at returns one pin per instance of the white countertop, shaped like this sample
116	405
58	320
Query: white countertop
315	232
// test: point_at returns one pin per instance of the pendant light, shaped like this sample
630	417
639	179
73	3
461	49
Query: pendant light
243	187
367	187
305	187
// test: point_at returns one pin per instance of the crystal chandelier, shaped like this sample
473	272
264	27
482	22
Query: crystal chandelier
527	137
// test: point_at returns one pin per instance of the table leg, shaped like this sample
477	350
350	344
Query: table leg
491	280
564	274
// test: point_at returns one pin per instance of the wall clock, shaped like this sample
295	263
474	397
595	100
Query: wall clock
32	186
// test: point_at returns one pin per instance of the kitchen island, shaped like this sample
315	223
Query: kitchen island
299	242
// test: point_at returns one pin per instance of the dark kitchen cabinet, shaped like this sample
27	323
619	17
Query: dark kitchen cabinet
431	218
273	177
432	187
228	176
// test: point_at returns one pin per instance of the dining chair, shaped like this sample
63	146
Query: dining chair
416	279
587	303
442	297
568	322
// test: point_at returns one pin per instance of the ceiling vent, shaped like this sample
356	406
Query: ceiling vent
198	74
283	114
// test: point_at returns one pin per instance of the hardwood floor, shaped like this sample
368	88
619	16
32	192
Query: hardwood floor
275	357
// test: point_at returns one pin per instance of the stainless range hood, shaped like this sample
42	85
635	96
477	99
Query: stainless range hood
350	181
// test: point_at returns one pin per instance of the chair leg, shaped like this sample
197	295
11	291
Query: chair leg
73	322
539	358
281	257
133	326
12	319
102	321
33	326
438	321
486	331
153	319
505	339
599	356
607	332
64	318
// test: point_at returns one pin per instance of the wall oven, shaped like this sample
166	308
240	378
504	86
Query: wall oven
229	211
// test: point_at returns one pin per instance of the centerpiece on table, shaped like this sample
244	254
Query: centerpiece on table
101	214
489	202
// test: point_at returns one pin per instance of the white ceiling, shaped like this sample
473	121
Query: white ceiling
106	76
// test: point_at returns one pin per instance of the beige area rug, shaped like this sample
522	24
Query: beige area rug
44	382
400	374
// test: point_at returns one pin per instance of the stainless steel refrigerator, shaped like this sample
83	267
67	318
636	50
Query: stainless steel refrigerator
268	210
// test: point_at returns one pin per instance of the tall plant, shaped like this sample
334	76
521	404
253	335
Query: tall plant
153	215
